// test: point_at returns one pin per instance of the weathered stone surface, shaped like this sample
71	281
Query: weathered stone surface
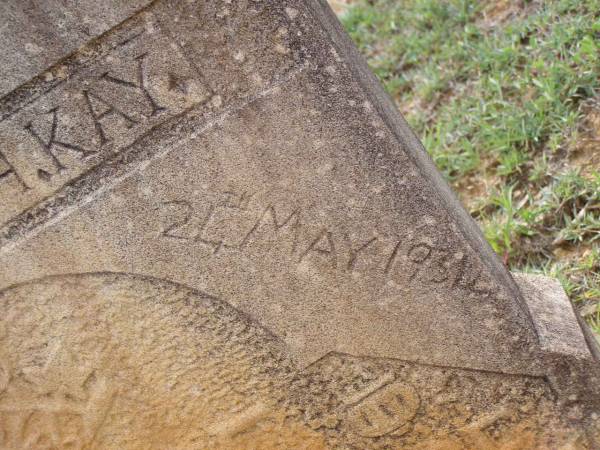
216	231
124	361
37	34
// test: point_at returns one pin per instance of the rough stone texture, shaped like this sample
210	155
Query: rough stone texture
554	318
242	148
230	147
36	34
118	361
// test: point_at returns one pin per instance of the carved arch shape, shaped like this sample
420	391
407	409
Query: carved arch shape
116	360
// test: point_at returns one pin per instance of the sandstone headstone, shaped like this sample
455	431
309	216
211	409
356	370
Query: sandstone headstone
217	232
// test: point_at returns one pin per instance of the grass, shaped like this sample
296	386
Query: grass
502	95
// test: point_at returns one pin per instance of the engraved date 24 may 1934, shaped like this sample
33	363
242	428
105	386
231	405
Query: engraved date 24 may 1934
231	222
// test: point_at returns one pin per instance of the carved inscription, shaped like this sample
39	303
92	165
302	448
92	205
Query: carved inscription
248	222
171	65
51	146
94	114
8	170
387	410
392	404
39	409
200	375
140	85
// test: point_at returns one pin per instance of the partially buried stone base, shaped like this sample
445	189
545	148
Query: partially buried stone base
117	361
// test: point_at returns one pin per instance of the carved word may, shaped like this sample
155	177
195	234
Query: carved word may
239	222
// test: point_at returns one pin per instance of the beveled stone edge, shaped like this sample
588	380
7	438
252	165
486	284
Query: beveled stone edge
64	68
569	352
559	326
386	109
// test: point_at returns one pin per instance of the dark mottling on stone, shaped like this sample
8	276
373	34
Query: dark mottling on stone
154	151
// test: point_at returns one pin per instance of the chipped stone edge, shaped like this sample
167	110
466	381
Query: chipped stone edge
560	328
568	349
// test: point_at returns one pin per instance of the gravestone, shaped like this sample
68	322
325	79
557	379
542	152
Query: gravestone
216	231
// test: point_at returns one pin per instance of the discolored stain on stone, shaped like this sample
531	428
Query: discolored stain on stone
243	149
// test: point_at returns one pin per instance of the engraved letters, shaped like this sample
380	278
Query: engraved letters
94	102
97	112
354	253
214	225
8	170
140	86
387	410
322	245
292	220
171	230
52	144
